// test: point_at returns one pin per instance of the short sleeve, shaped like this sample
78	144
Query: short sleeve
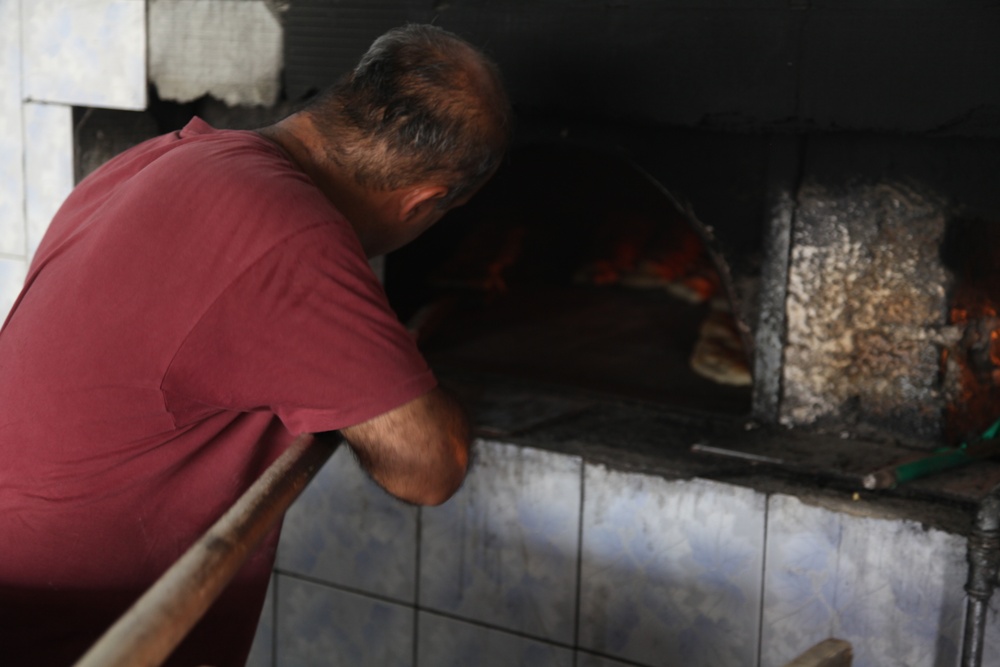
306	332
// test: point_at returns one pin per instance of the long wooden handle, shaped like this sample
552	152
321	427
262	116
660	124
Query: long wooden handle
150	630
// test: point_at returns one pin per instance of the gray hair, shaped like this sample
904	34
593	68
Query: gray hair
422	104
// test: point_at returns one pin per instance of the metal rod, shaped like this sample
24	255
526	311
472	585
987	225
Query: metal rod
984	561
980	447
150	630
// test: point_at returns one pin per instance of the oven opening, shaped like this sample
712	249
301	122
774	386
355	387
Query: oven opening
971	366
574	268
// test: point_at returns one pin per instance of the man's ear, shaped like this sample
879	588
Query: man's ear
420	200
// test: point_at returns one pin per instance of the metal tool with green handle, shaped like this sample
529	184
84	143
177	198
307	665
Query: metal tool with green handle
979	448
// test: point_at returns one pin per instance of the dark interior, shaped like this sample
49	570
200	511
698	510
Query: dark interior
571	267
663	122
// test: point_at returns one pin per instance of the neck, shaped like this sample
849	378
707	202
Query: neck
298	138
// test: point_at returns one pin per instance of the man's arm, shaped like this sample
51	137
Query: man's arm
419	451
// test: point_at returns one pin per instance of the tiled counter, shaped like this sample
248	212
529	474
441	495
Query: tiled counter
550	556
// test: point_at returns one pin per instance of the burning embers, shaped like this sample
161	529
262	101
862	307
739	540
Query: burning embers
577	268
893	330
971	366
635	251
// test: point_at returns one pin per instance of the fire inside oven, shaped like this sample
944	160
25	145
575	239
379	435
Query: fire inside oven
971	366
572	267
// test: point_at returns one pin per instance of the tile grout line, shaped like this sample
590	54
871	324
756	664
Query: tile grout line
434	612
291	574
416	588
579	566
454	617
22	99
274	620
763	577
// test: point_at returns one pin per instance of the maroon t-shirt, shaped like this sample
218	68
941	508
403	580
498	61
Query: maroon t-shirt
195	303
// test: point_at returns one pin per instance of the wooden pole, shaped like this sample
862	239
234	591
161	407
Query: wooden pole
828	653
150	630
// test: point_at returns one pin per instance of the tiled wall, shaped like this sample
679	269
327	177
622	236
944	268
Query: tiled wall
543	559
54	55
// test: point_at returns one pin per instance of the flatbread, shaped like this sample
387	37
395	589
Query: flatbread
718	353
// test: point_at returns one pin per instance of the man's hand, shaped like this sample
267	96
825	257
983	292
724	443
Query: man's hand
419	451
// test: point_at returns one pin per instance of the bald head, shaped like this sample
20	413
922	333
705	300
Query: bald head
421	105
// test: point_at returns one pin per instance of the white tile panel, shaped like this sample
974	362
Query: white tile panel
48	161
345	530
584	659
322	626
12	273
12	228
262	650
445	642
503	551
85	52
671	569
892	588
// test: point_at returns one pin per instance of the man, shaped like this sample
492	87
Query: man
198	301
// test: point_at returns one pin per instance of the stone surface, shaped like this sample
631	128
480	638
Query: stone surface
755	64
901	66
229	49
866	310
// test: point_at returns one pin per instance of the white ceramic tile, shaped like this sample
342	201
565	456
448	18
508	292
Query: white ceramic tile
445	642
85	52
671	570
231	50
892	588
12	229
584	659
262	650
48	165
503	550
12	274
345	530
320	626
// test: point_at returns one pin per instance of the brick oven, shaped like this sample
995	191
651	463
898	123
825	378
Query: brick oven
842	213
818	179
837	162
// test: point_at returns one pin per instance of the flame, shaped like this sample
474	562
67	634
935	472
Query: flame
483	260
972	366
963	315
642	252
510	251
995	347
